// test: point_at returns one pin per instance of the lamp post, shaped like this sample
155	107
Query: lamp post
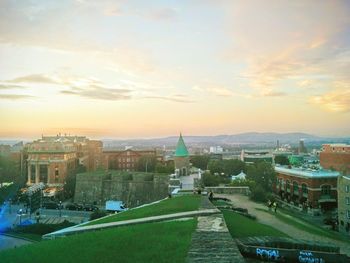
60	207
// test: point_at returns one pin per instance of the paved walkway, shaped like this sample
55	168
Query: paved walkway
212	242
268	219
80	229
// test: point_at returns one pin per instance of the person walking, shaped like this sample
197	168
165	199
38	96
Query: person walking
275	206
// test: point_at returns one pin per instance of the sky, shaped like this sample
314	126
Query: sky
142	69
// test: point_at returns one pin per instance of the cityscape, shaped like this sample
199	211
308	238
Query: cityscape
174	131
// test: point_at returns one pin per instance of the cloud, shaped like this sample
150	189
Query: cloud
10	86
163	14
35	78
174	98
274	94
217	90
15	97
98	92
336	101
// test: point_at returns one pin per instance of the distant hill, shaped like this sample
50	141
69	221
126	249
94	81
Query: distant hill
235	139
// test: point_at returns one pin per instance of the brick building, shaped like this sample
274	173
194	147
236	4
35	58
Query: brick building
125	160
310	188
52	157
344	204
335	156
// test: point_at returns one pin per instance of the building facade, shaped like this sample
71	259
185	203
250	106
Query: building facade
126	160
181	158
344	204
335	156
310	189
51	158
251	156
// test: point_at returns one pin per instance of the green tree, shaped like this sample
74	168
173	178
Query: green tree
69	186
281	159
9	170
263	174
200	161
215	166
146	164
233	167
209	179
165	168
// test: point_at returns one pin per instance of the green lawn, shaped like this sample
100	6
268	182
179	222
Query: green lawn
29	236
241	226
155	242
304	225
172	205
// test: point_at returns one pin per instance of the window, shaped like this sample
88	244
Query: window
304	189
347	200
326	190
295	188
347	188
348	214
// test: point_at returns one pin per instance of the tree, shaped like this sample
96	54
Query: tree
215	166
281	159
200	161
69	186
233	167
146	164
209	179
263	174
165	168
9	170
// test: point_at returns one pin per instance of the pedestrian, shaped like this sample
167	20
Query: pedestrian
211	195
275	206
269	203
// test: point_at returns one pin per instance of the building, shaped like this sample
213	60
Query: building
216	149
344	204
312	189
51	158
181	158
249	156
335	156
240	176
133	188
125	160
301	148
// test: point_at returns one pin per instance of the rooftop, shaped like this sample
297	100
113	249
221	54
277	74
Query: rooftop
181	149
307	173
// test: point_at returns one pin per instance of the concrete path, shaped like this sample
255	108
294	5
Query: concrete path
187	182
270	219
80	229
212	242
7	242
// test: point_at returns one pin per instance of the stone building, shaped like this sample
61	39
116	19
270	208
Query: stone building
133	188
181	158
344	204
124	160
335	156
253	156
309	188
52	157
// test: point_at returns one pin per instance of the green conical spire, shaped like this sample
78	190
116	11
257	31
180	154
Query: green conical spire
181	149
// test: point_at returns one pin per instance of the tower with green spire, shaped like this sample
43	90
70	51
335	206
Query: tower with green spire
181	158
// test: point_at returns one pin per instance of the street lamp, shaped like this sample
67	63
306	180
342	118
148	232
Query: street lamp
60	207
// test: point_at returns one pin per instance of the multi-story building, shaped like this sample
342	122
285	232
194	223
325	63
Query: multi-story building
344	204
335	156
313	189
52	157
125	160
252	156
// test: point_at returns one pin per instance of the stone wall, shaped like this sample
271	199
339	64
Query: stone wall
228	190
133	188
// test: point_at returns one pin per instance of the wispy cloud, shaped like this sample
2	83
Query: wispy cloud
163	14
10	86
35	78
15	97
174	98
337	100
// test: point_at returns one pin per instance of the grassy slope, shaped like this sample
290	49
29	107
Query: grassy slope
306	226
241	226
168	206
156	242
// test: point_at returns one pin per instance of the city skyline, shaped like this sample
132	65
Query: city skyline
131	69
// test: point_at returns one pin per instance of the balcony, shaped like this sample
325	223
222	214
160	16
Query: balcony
326	198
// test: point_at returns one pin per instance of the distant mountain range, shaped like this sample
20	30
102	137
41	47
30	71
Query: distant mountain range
235	139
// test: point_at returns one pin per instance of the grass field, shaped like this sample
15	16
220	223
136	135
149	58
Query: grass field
172	205
241	226
156	242
305	225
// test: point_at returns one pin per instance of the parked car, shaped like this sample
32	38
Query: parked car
50	205
89	207
74	206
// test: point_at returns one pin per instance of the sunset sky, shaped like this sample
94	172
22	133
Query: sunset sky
140	69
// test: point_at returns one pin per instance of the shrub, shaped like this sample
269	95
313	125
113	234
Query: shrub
97	214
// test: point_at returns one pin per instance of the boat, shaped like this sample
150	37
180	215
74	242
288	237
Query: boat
284	249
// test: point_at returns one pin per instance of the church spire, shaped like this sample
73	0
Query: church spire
181	149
